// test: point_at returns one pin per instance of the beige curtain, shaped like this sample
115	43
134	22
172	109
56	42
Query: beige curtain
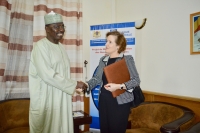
16	31
5	12
21	25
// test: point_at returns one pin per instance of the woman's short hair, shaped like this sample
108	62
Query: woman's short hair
120	40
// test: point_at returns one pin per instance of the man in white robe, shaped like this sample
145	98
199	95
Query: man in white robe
50	85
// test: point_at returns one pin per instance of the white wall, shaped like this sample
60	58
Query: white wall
163	55
94	12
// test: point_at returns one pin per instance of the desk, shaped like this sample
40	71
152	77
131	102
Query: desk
81	120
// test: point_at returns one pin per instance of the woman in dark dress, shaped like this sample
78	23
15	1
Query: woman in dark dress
114	112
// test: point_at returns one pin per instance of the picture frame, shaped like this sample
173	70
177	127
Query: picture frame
195	33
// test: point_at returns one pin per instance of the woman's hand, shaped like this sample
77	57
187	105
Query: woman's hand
112	86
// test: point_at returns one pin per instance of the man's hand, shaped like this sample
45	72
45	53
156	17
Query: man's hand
81	85
79	90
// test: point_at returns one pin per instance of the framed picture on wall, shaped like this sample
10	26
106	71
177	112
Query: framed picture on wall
195	33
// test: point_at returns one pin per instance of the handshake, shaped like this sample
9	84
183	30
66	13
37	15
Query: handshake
81	86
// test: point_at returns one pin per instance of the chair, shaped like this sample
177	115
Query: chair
194	129
14	116
159	117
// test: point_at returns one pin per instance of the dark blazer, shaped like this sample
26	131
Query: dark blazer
130	85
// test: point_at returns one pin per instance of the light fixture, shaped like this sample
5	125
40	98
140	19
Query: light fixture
139	24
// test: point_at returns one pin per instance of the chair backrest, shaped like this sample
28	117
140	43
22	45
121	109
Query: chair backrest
14	113
154	114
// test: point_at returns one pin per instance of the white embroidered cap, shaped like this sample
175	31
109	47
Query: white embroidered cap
52	17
